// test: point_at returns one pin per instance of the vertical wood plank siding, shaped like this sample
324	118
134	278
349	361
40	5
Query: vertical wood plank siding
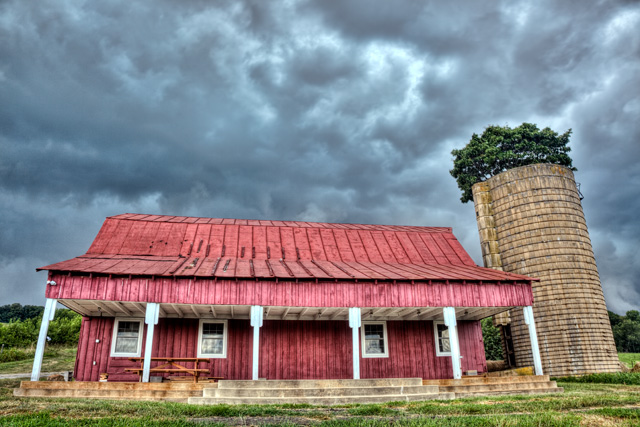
289	350
287	293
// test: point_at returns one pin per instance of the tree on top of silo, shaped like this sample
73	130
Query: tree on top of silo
501	148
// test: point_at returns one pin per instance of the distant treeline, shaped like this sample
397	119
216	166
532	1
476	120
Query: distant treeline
626	331
17	311
21	325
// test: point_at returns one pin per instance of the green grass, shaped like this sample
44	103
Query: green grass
629	359
581	404
56	358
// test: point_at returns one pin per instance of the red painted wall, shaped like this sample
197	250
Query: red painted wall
292	294
289	350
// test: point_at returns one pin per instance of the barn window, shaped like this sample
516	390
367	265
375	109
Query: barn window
443	346
212	338
127	338
374	339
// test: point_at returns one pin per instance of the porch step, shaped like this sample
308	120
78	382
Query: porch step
296	384
319	392
110	390
338	400
489	380
493	386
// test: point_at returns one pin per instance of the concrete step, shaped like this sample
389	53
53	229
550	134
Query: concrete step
87	385
317	392
323	384
111	394
109	390
489	380
336	400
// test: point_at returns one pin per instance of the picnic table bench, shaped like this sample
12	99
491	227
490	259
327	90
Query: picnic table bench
171	365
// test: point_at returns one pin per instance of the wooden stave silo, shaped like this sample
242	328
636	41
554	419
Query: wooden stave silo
531	222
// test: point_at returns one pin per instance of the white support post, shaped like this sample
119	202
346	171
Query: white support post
256	321
355	321
151	319
47	316
533	336
450	322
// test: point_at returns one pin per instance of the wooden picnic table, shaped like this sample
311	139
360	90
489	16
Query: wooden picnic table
171	365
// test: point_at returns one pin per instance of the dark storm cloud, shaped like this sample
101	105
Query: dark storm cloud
325	111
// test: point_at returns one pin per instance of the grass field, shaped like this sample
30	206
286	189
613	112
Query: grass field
580	405
56	358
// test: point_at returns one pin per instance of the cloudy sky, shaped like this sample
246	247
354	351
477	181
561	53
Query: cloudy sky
341	111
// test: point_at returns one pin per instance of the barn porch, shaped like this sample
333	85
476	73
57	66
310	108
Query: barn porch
340	319
318	392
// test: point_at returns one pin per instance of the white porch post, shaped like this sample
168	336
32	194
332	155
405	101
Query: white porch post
151	319
450	322
47	316
533	336
355	321
256	322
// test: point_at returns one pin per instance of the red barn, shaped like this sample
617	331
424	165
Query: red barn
279	299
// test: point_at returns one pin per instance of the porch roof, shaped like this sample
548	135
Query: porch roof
96	308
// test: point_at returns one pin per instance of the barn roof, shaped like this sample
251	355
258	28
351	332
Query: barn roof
154	245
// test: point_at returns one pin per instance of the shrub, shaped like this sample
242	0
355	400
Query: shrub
15	354
492	340
19	333
626	378
65	328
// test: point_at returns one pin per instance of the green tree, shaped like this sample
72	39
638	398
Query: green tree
501	148
614	318
16	311
627	336
492	340
633	315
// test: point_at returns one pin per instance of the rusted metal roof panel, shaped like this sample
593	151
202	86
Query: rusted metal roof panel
137	244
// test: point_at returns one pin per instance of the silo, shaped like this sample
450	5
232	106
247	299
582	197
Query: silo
531	222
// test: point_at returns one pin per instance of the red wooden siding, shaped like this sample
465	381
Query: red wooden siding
172	337
305	350
412	352
289	350
291	294
89	351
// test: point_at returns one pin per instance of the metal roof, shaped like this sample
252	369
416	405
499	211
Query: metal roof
154	245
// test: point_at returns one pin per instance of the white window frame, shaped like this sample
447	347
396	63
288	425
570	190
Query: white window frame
437	340
225	335
116	321
385	337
